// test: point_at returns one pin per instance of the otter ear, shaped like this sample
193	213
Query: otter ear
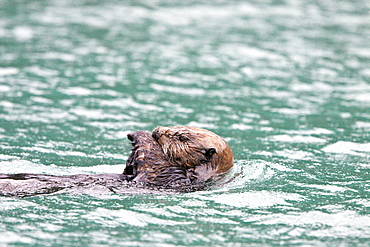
209	153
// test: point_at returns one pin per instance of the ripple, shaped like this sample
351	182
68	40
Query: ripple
129	103
249	172
20	166
118	169
23	33
43	72
7	157
111	218
296	139
294	155
255	199
342	224
53	151
315	131
331	188
345	147
11	204
248	53
79	91
241	126
58	56
10	165
97	114
362	125
4	88
179	90
9	237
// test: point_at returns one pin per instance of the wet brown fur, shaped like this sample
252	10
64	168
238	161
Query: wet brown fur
198	150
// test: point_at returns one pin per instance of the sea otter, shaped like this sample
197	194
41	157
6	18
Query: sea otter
177	158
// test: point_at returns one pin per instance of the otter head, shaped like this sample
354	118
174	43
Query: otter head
194	148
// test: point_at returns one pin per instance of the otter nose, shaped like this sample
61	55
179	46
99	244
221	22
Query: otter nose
156	134
130	136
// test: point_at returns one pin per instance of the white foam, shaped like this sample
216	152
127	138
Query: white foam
113	217
101	169
241	126
294	154
43	71
41	100
296	139
60	56
345	147
10	238
178	90
23	33
53	151
362	125
8	71
315	131
4	88
248	52
255	199
79	91
7	157
365	72
17	165
342	224
172	79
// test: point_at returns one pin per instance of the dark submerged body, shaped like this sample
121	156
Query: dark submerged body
146	168
23	185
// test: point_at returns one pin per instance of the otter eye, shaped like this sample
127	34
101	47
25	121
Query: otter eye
209	152
183	138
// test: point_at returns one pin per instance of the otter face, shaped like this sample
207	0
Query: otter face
192	147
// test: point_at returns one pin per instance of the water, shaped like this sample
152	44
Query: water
286	83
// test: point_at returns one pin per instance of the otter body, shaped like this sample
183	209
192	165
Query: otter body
175	158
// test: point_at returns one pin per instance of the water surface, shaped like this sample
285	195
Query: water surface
286	83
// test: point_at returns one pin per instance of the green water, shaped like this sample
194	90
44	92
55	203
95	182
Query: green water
286	83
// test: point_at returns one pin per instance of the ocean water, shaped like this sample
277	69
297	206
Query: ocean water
285	83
